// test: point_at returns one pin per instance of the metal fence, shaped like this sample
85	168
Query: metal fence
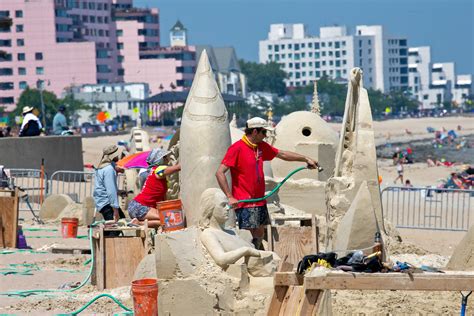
429	208
76	184
30	181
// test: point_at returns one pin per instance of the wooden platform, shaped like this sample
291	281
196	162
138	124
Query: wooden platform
8	218
301	295
116	258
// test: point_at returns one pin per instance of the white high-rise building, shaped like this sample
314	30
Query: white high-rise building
334	53
432	84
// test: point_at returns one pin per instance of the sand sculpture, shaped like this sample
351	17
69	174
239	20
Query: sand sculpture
225	245
204	139
355	166
308	134
185	266
462	258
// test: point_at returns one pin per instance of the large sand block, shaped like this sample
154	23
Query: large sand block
53	205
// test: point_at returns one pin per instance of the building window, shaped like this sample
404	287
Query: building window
6	86
18	14
119	45
39	70
330	44
5	57
316	45
337	44
338	54
6	71
425	97
369	42
39	56
109	105
5	43
103	69
360	43
19	28
22	71
20	42
297	46
324	54
269	47
21	56
119	32
23	85
323	44
369	51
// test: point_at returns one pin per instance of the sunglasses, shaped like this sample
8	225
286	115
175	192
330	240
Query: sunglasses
263	131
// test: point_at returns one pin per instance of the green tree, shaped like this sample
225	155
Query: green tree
264	77
32	97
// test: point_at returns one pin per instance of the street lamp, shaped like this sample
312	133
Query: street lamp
40	86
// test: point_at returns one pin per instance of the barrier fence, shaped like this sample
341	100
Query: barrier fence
76	184
429	208
29	181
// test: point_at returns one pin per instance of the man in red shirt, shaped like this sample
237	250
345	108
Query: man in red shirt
245	160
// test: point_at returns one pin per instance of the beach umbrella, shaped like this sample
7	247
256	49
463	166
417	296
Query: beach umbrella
137	160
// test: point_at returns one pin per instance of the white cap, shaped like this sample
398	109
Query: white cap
258	122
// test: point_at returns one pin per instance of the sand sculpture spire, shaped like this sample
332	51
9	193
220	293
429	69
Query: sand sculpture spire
233	123
204	139
315	107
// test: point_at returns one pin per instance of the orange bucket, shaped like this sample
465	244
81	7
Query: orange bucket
171	215
145	297
69	227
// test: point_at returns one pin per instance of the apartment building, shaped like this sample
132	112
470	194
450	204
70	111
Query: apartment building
432	84
33	57
55	44
335	52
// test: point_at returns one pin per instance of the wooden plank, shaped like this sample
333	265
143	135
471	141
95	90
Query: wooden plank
310	303
387	281
288	279
292	301
279	291
123	254
296	242
9	214
101	260
72	250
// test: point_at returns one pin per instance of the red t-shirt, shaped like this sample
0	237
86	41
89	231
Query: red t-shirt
153	191
246	169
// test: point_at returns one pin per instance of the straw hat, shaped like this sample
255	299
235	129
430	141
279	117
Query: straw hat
27	109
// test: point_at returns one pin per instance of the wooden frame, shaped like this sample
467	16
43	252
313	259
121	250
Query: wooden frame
9	212
293	243
306	298
116	258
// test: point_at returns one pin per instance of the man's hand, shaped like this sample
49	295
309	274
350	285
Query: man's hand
233	201
312	164
116	215
252	252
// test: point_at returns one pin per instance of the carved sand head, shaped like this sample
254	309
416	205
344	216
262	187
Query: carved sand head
356	75
213	204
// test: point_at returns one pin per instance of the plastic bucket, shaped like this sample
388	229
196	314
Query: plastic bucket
171	215
69	227
145	297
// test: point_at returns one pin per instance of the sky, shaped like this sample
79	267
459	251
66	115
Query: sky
445	25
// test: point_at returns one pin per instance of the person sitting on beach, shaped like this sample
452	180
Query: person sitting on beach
143	206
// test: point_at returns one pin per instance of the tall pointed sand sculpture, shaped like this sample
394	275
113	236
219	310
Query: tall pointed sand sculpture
356	162
204	139
315	107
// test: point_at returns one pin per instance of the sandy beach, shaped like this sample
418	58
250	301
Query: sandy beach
55	270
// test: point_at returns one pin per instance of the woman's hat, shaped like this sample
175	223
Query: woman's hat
27	109
156	155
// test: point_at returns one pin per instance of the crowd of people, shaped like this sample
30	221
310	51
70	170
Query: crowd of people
460	180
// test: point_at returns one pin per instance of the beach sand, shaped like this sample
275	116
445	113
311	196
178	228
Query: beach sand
438	245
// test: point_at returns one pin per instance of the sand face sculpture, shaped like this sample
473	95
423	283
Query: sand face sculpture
225	245
204	138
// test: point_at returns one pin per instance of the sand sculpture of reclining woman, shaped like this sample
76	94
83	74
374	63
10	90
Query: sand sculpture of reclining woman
225	245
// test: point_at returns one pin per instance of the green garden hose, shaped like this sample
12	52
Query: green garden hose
275	189
128	310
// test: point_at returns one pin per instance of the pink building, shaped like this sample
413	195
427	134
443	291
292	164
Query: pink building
33	54
142	58
74	42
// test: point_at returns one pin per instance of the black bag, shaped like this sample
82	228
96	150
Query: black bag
307	261
31	129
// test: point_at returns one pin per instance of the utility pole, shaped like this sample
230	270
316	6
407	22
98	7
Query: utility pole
40	84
